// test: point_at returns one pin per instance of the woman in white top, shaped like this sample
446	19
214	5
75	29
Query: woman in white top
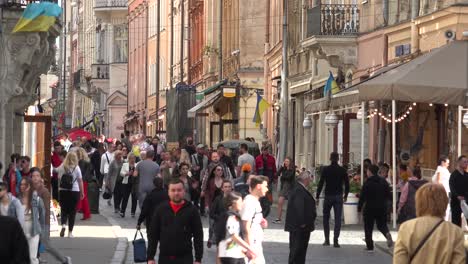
442	176
128	182
69	197
233	249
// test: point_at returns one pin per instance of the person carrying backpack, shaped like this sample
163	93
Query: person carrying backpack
232	248
70	191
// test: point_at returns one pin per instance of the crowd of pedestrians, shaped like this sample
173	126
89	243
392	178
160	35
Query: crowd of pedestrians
175	188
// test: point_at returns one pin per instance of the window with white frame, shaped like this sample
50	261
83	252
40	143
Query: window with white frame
120	43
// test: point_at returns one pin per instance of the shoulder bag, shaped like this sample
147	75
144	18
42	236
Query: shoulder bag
421	244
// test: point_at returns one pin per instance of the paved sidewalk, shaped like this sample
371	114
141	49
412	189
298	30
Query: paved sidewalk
276	247
94	242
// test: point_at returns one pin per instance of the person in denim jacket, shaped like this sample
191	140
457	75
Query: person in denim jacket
10	205
34	217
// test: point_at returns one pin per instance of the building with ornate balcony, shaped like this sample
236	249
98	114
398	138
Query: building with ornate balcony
226	104
400	34
24	56
323	40
108	71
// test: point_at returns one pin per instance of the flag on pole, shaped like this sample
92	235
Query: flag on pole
262	106
330	86
38	17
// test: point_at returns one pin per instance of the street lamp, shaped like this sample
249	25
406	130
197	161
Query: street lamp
307	122
465	119
331	120
360	114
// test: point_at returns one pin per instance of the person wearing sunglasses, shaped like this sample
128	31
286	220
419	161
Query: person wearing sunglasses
25	165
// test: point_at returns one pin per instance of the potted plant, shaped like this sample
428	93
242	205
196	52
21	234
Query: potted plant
351	216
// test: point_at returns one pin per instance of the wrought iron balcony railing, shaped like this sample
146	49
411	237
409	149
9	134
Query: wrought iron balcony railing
110	3
100	71
333	20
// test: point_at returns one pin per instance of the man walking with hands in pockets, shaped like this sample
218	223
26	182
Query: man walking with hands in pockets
252	217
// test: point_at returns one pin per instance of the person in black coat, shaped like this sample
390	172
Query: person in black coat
458	183
13	244
373	199
152	201
300	218
173	226
334	177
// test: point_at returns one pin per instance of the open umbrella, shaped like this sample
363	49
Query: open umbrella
75	133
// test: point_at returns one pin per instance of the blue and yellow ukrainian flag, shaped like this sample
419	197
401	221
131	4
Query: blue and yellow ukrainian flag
262	106
330	86
38	17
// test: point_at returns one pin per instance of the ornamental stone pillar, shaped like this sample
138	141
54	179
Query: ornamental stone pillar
24	56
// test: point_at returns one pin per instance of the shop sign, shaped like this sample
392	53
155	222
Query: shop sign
229	92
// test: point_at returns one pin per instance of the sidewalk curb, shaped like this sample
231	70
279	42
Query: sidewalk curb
120	253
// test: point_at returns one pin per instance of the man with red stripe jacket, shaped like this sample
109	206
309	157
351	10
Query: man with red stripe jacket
173	226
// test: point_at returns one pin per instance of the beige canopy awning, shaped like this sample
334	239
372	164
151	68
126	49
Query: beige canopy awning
440	76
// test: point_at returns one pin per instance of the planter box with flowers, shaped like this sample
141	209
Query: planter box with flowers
351	215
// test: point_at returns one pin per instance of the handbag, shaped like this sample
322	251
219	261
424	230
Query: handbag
107	194
139	248
421	244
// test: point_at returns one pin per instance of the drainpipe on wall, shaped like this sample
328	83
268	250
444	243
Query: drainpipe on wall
414	27
385	12
220	40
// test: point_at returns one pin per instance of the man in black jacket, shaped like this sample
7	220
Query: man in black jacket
173	226
151	203
334	177
13	244
458	189
374	196
300	219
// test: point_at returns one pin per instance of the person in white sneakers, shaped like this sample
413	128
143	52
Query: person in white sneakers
252	217
70	191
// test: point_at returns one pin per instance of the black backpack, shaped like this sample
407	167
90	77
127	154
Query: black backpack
67	180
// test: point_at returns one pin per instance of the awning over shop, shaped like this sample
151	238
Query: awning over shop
438	77
208	101
200	95
317	105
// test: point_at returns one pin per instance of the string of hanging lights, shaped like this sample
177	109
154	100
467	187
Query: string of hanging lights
388	118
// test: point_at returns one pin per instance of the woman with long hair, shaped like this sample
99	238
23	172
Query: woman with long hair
38	184
287	176
428	238
69	197
87	173
128	185
114	180
211	190
189	184
184	157
34	217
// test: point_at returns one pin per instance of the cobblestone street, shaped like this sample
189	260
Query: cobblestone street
276	248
